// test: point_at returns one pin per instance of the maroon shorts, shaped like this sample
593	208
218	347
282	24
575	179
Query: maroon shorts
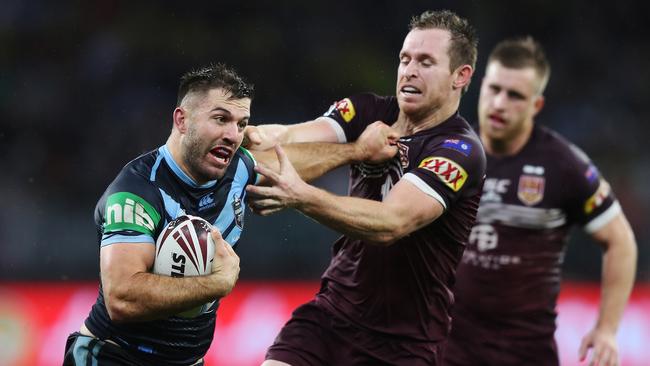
313	336
470	344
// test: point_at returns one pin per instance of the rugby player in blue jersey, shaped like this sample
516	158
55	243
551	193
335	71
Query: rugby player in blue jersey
201	170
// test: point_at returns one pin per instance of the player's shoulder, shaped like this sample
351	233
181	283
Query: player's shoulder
456	135
143	163
136	174
246	157
369	100
370	97
242	166
558	147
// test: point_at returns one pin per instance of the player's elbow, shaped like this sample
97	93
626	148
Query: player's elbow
388	236
396	228
119	309
382	240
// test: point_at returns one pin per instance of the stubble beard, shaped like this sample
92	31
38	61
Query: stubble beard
194	154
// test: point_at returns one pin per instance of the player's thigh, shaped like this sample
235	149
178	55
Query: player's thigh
307	338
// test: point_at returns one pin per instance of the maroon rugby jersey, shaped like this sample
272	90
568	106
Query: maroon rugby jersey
405	289
509	278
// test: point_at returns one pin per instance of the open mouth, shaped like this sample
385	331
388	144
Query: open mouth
497	120
222	154
410	90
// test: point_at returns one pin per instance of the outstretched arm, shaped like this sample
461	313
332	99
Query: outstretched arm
265	137
133	293
619	267
405	209
312	160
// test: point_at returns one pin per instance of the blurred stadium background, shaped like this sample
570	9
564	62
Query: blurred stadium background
87	86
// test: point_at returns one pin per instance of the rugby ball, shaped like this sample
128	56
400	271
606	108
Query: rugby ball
185	248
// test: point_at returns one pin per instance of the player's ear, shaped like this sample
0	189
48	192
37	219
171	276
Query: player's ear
539	103
462	76
179	118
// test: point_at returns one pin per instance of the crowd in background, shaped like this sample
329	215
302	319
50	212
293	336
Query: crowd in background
86	86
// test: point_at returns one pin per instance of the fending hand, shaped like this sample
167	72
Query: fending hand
252	137
284	189
377	143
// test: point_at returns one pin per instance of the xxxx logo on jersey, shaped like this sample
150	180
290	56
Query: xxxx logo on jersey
346	109
452	174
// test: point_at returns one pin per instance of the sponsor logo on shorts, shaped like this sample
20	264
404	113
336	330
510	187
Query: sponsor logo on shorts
447	170
597	198
127	211
531	189
346	109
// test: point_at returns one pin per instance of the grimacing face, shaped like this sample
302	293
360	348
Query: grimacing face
424	81
215	125
508	101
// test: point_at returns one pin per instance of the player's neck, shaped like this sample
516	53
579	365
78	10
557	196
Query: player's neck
506	146
173	145
412	124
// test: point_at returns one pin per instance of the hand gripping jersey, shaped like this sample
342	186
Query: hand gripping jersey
404	290
148	193
509	278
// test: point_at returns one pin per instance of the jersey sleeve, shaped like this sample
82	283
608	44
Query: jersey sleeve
450	169
250	162
350	116
593	203
130	211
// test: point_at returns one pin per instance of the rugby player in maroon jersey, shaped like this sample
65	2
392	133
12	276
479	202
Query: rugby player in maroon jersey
386	296
538	186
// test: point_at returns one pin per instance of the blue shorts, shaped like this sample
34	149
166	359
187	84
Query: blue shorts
82	350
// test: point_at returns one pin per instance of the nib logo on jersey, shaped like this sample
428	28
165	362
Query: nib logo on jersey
127	211
207	201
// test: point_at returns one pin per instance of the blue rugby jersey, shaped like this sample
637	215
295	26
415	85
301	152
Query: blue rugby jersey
147	194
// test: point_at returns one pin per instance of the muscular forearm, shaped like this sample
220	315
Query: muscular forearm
312	160
619	267
359	218
146	296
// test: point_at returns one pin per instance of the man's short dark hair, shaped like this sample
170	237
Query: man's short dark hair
464	41
520	53
214	76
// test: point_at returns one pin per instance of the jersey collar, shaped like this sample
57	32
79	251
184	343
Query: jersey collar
180	173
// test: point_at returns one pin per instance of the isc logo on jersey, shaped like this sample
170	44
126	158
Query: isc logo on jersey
127	211
448	171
